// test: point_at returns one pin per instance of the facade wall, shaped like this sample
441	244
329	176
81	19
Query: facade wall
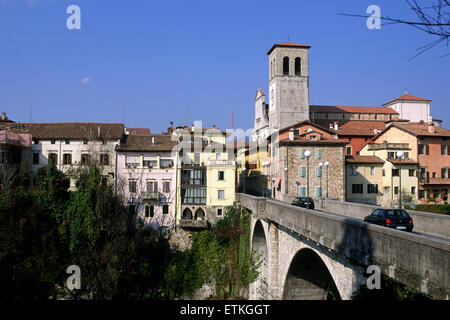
142	175
336	177
366	174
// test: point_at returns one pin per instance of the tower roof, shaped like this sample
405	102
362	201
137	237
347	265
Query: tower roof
407	97
288	45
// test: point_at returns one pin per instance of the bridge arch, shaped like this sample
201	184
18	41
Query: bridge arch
308	278
260	248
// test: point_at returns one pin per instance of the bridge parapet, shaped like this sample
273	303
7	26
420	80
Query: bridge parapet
415	260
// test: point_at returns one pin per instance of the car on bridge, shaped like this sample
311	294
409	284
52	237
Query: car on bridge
303	202
392	218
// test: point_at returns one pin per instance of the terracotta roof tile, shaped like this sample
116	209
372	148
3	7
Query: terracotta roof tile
421	129
351	109
139	131
75	130
363	159
407	97
153	142
289	45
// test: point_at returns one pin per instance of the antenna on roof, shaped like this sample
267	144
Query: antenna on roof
288	38
406	91
123	114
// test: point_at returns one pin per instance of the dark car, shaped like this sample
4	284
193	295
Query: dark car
303	202
392	218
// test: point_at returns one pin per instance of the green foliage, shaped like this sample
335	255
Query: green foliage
434	208
219	257
390	290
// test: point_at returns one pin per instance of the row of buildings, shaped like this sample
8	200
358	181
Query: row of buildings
183	177
353	151
187	176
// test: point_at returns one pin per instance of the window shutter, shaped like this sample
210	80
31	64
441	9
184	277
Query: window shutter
302	153
427	148
303	171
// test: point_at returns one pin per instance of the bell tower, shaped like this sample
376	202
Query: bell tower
288	84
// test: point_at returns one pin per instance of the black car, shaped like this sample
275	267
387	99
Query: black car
392	218
303	202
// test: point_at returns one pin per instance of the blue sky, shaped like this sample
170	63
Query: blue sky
198	60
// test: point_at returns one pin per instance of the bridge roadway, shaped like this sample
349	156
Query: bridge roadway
419	259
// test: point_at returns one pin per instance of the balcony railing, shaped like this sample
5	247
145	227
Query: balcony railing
386	145
434	180
221	162
189	223
151	195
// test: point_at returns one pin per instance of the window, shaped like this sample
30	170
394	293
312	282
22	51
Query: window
384	172
286	66
395	172
302	171
297	66
85	158
444	173
219	212
165	163
391	155
313	138
67	141
434	174
147	163
302	191
149	211
53	158
319	192
318	171
444	150
35	140
52	141
152	186
132	161
104	159
221	194
413	190
421	149
395	190
372	188
348	150
166	186
319	153
357	188
132	185
221	175
132	209
218	156
85	141
302	153
165	209
35	158
193	196
67	158
352	171
372	171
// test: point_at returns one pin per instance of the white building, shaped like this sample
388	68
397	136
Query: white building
70	144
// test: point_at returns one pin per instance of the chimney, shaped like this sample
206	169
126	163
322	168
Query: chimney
153	140
214	126
431	128
98	131
331	126
336	125
291	134
4	115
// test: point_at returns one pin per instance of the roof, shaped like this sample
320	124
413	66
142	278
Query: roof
407	97
139	131
364	159
404	161
288	45
421	129
303	140
310	123
153	142
354	127
351	109
75	130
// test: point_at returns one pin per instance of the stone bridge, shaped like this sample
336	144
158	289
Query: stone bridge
320	255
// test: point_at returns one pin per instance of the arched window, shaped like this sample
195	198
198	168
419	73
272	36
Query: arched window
297	66
199	214
187	214
286	66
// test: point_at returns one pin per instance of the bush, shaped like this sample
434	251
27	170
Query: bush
434	208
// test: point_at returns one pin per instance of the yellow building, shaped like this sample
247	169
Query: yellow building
206	175
394	168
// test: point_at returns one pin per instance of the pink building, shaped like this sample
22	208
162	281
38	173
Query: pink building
146	178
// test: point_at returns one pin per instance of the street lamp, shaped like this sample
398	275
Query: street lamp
400	156
320	166
307	155
243	170
327	164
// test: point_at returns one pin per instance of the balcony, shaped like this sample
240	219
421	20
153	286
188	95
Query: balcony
151	195
221	163
386	145
434	180
189	223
